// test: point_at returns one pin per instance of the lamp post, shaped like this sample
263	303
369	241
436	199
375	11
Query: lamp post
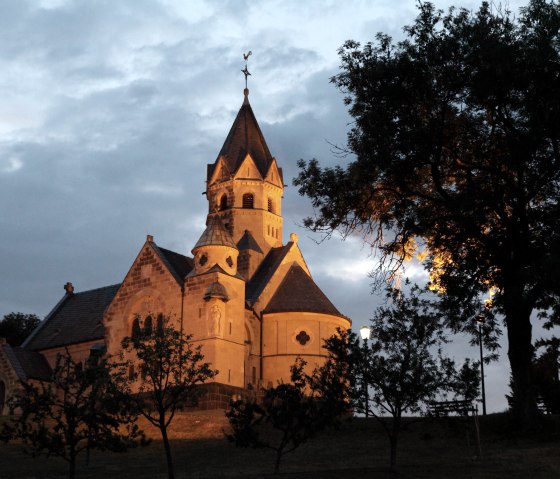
480	321
365	333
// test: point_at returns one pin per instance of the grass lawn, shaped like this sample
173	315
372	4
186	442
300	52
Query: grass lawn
431	448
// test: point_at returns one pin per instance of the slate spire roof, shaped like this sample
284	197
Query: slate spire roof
215	234
245	137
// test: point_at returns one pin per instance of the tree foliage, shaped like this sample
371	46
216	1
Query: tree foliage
15	327
456	144
164	370
80	408
403	367
290	414
546	371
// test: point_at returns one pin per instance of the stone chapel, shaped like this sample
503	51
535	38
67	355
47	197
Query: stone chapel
244	295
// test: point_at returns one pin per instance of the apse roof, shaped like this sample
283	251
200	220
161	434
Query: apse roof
245	137
298	292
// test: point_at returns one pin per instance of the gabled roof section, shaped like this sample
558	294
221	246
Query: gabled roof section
27	364
215	234
274	174
77	319
264	272
245	137
299	293
178	264
247	241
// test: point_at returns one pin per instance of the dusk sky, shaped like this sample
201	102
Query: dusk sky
110	111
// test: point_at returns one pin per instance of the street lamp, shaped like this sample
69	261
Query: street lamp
480	321
365	333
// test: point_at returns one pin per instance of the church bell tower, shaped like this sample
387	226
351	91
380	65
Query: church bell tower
244	188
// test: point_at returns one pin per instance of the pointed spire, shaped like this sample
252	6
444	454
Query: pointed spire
245	137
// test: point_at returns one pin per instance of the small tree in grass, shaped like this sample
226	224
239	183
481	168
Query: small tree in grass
166	369
403	367
80	408
289	414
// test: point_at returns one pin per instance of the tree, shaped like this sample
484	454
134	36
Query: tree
456	138
15	327
546	371
164	371
81	408
403	367
293	413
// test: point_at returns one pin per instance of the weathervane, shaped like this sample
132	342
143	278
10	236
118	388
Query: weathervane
245	71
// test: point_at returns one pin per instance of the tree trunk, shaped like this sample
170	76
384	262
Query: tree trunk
166	445
278	459
72	465
393	440
520	352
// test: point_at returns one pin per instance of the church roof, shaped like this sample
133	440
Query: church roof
178	264
77	318
265	271
298	292
215	234
27	364
247	241
245	137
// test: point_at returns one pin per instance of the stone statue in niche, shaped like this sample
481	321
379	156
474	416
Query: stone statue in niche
215	320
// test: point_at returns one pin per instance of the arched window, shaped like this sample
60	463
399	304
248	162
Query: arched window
270	205
223	202
148	325
160	324
248	201
136	330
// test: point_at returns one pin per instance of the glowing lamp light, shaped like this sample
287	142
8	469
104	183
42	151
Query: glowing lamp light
365	332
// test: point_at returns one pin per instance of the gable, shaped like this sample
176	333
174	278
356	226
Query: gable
274	174
248	169
218	171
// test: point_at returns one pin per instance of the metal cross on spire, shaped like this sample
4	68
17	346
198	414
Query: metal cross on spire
245	71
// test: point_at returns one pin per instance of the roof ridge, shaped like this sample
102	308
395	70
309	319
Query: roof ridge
94	289
266	270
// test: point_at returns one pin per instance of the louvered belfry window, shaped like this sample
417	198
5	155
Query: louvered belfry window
248	201
223	203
